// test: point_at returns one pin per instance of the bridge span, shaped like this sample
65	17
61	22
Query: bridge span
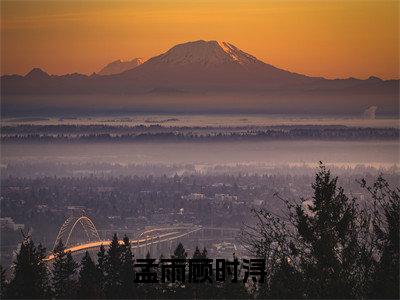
135	244
146	239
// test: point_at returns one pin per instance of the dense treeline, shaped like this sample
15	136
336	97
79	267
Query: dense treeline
91	128
329	246
98	133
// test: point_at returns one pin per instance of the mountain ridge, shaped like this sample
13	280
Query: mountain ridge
203	68
140	61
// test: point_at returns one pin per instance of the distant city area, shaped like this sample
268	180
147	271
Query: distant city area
220	203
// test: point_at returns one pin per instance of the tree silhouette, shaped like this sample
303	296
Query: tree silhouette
286	282
113	266
88	282
328	231
64	273
316	241
204	253
30	278
180	252
386	203
197	253
101	268
3	283
127	270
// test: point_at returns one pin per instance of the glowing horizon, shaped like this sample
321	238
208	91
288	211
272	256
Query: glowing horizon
334	39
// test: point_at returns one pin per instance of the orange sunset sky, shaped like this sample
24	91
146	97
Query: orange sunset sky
334	39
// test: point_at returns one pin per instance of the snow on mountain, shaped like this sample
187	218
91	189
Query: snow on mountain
206	53
207	64
204	68
120	66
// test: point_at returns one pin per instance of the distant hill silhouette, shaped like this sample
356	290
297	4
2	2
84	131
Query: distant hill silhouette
119	66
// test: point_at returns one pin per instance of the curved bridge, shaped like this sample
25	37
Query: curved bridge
150	237
137	243
68	227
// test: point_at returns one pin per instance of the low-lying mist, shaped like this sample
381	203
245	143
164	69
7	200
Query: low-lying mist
381	154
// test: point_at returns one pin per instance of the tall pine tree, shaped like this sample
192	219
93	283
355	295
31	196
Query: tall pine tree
328	232
197	253
180	252
88	283
3	282
64	273
204	253
30	280
127	270
113	267
101	268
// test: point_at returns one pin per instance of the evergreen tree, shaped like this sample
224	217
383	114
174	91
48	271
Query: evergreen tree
286	282
3	283
178	290
30	280
318	241
64	273
113	267
385	280
43	271
101	268
200	255
127	270
197	253
204	253
180	252
88	283
329	235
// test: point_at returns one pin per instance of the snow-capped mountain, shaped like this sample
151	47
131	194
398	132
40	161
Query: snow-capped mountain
206	53
208	75
120	66
209	63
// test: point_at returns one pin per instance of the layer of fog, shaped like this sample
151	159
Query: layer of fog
367	153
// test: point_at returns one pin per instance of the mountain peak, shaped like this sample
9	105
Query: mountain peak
208	63
119	66
206	53
37	73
